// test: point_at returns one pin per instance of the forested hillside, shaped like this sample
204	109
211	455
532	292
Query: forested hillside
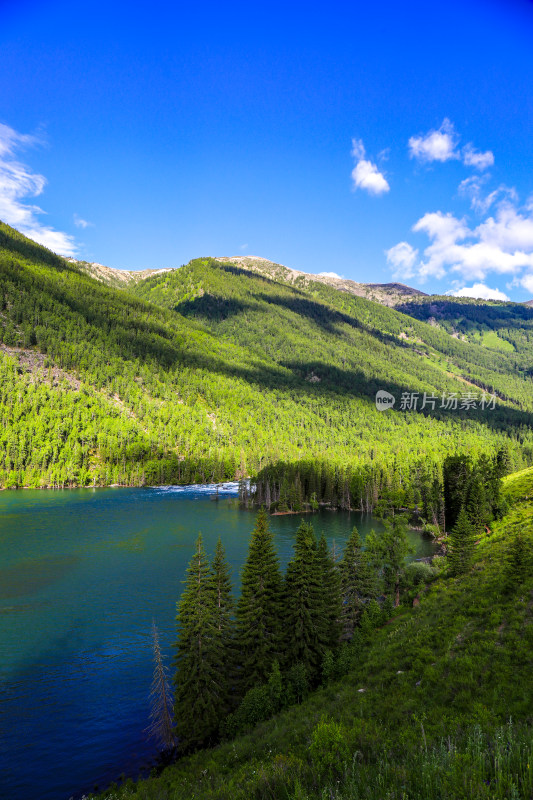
504	327
428	701
212	372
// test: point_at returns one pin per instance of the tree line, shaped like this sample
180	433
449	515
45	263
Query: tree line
240	661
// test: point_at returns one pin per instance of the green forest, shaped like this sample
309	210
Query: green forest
358	676
211	372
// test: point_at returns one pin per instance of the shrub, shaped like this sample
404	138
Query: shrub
329	749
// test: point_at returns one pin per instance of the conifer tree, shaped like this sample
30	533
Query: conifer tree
350	573
330	591
386	552
476	504
306	621
259	609
200	692
519	559
456	472
461	544
224	649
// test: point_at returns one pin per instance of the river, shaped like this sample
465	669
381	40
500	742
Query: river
82	575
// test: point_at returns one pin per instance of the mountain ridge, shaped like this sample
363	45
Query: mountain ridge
386	293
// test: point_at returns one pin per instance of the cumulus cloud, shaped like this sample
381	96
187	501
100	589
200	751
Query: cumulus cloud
479	291
330	275
442	145
17	184
501	244
402	258
365	174
473	158
436	145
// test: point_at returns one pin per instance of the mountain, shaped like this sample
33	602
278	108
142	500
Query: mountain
390	294
215	371
119	278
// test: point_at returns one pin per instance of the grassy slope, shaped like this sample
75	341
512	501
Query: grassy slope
441	682
500	326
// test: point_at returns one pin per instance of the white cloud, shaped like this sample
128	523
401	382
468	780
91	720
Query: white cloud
472	188
436	145
479	291
527	281
330	275
402	258
441	145
82	223
17	183
501	244
365	174
473	158
508	230
243	247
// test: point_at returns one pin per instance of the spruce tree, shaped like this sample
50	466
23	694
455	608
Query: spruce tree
330	592
519	560
476	503
386	552
461	544
200	692
306	622
350	574
224	651
259	609
456	473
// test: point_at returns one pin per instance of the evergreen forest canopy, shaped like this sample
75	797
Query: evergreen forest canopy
214	372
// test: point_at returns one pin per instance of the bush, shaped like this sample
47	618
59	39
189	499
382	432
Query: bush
417	573
329	749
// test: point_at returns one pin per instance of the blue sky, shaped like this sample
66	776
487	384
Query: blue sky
380	141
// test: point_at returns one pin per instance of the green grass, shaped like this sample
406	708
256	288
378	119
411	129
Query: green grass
446	710
519	485
492	340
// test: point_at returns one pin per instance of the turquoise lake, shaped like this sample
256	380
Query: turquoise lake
82	575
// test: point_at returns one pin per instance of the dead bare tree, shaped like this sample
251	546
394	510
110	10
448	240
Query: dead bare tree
160	728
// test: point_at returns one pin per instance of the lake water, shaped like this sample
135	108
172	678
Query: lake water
82	575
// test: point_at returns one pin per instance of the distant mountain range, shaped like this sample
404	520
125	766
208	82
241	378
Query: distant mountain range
389	294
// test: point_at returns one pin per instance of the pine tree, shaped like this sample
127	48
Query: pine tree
350	573
461	544
386	552
306	613
519	560
259	609
200	690
161	727
456	472
224	651
476	504
330	591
